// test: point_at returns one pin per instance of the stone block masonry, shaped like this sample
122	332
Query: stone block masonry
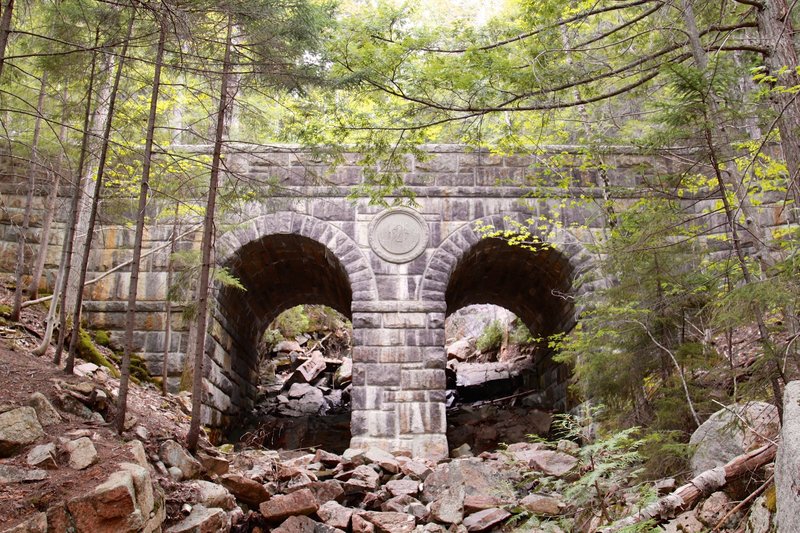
396	273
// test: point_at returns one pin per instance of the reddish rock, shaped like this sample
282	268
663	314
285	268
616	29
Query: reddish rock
281	507
362	525
382	458
406	504
213	464
335	515
396	487
110	508
449	507
542	505
245	489
325	491
551	463
416	470
327	458
388	522
483	520
297	524
202	520
481	502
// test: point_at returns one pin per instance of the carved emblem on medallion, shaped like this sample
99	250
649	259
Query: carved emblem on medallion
398	235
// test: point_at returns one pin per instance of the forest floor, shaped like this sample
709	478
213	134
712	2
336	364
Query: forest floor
22	373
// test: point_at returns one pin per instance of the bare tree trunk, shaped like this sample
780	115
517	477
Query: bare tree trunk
5	29
133	286
168	307
72	224
33	168
50	209
98	186
206	246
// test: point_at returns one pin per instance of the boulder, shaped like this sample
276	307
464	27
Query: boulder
449	507
35	524
760	518
18	427
309	370
787	462
684	523
539	504
327	458
43	456
397	487
388	522
213	464
150	502
474	475
549	462
173	454
362	478
281	507
382	458
362	525
298	390
139	453
408	505
111	507
82	453
13	474
484	520
732	431
344	374
716	506
45	412
415	470
245	489
481	502
325	491
301	524
202	520
460	350
335	515
213	495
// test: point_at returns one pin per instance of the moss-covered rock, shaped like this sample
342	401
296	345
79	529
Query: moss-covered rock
87	350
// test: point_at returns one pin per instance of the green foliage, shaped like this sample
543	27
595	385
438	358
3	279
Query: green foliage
491	338
292	322
607	476
520	334
5	310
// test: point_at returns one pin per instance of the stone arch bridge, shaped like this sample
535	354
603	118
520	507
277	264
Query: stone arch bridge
395	272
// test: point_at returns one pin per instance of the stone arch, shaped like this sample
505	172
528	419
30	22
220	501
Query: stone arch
538	286
282	259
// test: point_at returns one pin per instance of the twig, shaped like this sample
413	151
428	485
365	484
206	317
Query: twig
744	502
118	267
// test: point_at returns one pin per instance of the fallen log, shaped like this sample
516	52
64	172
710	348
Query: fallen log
707	482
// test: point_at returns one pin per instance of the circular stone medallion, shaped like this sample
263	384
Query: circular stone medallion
398	235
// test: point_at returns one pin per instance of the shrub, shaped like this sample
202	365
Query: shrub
491	338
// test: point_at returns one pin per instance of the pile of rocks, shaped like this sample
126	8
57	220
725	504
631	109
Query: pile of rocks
306	384
364	491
